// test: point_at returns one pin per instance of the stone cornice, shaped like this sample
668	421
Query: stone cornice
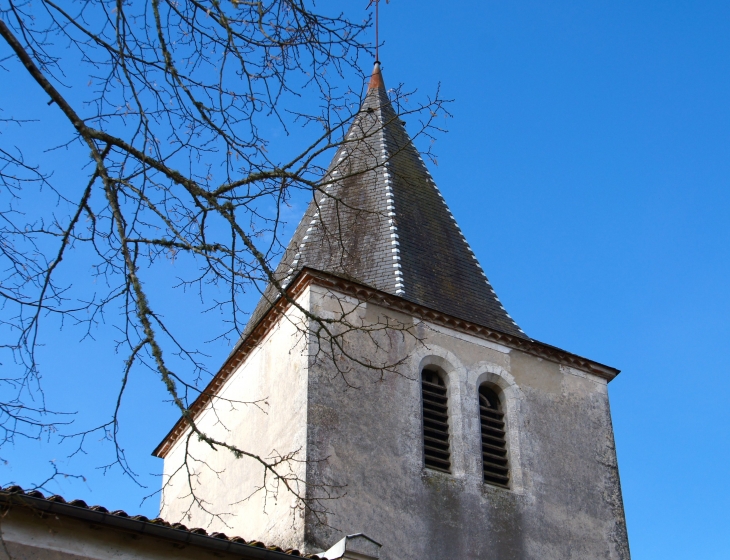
307	277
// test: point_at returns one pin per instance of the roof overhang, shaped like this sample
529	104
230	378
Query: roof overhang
308	276
217	544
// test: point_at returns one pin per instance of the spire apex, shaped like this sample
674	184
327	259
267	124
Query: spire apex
376	80
380	221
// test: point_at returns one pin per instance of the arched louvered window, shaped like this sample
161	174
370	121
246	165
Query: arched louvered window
494	444
435	421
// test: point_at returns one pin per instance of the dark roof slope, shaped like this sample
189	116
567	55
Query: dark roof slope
381	221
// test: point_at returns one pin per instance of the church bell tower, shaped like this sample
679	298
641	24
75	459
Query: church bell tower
399	396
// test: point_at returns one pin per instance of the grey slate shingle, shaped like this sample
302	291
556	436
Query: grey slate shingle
379	196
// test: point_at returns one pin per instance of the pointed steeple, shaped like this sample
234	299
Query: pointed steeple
381	221
376	80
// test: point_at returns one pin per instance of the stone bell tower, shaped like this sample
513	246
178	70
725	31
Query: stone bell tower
438	429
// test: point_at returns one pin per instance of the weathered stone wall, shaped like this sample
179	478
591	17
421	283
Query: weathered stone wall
275	375
362	434
564	501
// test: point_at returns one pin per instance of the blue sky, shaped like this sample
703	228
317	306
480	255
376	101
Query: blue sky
588	164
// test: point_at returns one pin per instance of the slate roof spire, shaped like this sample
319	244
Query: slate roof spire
381	221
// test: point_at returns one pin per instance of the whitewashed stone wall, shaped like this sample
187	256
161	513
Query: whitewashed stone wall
361	434
275	374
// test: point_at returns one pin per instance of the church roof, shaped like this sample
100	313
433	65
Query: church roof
213	543
380	220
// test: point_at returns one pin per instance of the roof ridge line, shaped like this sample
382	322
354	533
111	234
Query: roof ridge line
342	153
390	209
463	237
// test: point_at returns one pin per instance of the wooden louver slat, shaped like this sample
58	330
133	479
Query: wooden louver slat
494	443
436	450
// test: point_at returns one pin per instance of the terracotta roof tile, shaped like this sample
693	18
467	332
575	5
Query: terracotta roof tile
34	498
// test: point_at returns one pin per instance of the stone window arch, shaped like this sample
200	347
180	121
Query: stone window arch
511	400
435	409
495	460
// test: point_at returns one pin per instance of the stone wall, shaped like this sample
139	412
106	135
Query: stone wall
564	500
360	431
274	376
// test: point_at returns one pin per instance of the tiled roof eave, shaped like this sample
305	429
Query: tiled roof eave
157	528
307	276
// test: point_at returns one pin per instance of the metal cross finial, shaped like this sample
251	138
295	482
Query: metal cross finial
377	39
